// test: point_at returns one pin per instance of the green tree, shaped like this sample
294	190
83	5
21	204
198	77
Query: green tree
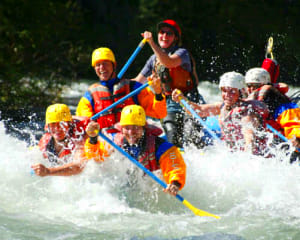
39	50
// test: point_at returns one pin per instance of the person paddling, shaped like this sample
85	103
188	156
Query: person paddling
64	140
284	112
109	89
176	69
242	121
142	142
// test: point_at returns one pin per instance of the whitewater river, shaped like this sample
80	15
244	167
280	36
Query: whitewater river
256	198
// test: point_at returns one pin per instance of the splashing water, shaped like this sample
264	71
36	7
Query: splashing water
256	198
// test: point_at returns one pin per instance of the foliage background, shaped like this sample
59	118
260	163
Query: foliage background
46	44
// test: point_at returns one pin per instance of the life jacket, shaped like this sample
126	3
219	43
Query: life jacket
76	136
172	78
103	98
46	145
273	98
261	93
230	123
147	149
282	87
78	127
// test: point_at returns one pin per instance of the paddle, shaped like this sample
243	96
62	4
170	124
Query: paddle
191	110
120	75
97	115
132	57
279	134
195	210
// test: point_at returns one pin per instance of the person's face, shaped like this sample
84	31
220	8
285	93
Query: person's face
230	96
166	37
133	133
252	87
104	69
58	130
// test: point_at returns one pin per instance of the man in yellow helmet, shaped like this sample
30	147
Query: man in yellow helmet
64	140
141	141
109	89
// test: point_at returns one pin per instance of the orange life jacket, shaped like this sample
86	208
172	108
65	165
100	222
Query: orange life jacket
147	154
103	98
173	78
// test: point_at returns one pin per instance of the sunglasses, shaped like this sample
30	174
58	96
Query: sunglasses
169	33
253	85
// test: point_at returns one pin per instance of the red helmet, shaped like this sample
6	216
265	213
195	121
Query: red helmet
172	24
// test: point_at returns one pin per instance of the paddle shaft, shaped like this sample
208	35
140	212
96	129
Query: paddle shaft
191	110
120	75
279	134
97	115
132	57
196	211
155	178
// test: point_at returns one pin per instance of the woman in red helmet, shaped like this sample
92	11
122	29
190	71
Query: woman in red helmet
174	65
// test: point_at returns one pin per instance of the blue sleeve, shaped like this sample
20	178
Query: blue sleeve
185	58
162	147
135	85
149	66
283	107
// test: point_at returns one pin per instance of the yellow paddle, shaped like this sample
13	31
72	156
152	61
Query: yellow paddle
195	210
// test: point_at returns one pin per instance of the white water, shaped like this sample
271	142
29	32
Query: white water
256	198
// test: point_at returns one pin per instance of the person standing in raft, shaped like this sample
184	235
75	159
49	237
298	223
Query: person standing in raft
242	122
109	89
64	140
176	69
141	141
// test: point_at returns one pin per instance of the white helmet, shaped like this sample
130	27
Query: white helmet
232	79
258	75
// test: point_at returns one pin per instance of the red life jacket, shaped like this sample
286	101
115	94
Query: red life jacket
273	97
78	127
282	87
230	124
103	98
44	146
260	93
147	157
76	135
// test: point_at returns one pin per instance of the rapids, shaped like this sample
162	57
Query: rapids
256	198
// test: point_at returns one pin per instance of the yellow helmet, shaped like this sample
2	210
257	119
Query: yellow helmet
133	115
57	113
103	54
